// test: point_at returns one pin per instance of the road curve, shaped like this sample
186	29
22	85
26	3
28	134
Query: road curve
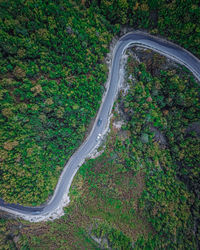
60	195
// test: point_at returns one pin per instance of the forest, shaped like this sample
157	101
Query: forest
176	20
165	139
52	75
143	191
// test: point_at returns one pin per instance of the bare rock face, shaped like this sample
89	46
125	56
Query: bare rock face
159	137
144	138
69	30
194	127
16	238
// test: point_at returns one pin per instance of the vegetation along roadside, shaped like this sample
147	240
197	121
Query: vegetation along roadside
143	191
135	194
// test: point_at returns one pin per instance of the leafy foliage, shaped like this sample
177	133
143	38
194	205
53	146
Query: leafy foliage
51	76
176	20
136	194
144	189
167	106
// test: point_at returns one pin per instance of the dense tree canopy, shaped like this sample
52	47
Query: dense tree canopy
177	20
143	191
51	82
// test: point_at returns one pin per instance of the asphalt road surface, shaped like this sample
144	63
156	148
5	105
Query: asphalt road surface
161	46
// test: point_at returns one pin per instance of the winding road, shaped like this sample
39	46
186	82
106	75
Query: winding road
54	208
